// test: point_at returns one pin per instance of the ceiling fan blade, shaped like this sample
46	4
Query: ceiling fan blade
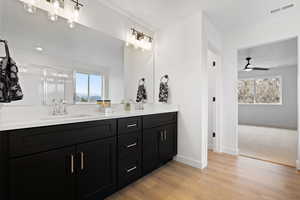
260	68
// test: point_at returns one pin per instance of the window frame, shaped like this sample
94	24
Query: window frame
103	87
264	104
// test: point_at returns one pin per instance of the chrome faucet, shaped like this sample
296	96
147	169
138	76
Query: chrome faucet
59	107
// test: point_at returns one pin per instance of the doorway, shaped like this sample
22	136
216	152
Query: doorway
212	59
267	97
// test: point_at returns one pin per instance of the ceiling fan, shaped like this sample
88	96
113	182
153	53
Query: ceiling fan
250	67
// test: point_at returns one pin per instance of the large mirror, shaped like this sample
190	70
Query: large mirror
79	65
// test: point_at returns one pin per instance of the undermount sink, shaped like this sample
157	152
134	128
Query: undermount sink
65	116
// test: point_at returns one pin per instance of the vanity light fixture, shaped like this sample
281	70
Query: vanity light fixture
139	39
55	8
30	5
74	17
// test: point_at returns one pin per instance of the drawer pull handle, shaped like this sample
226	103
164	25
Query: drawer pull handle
165	133
72	164
131	145
131	169
82	161
161	136
131	125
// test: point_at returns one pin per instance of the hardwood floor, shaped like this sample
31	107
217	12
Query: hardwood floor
226	178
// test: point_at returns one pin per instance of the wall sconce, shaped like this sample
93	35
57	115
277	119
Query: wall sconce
139	39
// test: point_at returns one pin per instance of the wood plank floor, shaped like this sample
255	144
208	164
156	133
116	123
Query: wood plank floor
226	178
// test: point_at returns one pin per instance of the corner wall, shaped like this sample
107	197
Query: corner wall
179	54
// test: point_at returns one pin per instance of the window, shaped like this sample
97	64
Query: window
260	91
89	87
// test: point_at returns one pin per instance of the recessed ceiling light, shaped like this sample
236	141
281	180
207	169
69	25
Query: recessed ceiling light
39	49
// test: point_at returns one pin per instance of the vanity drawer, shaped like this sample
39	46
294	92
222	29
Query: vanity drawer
151	121
34	140
129	171
129	144
127	125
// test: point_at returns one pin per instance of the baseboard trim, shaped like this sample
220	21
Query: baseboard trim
298	164
210	146
189	161
230	151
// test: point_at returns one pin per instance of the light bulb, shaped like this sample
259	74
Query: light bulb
30	6
76	13
53	12
71	24
74	16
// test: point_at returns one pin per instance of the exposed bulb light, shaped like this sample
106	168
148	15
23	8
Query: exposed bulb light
30	6
74	16
76	13
71	24
53	12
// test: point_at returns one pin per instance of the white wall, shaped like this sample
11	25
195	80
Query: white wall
1	17
276	27
179	54
138	64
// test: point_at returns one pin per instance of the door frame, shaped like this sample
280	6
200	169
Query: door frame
219	109
236	135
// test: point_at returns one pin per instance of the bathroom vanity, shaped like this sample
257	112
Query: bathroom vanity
84	160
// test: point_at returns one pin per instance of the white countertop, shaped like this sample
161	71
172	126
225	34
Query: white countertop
48	120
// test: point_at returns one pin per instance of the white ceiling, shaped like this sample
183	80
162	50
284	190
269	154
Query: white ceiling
278	54
224	13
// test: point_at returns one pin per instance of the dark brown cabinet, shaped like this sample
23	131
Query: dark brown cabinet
48	176
84	161
129	150
159	140
167	142
150	149
96	169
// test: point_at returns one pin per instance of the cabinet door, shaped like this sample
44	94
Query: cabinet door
46	176
97	169
166	143
150	150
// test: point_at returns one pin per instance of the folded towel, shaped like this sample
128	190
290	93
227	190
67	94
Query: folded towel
163	92
141	93
10	89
